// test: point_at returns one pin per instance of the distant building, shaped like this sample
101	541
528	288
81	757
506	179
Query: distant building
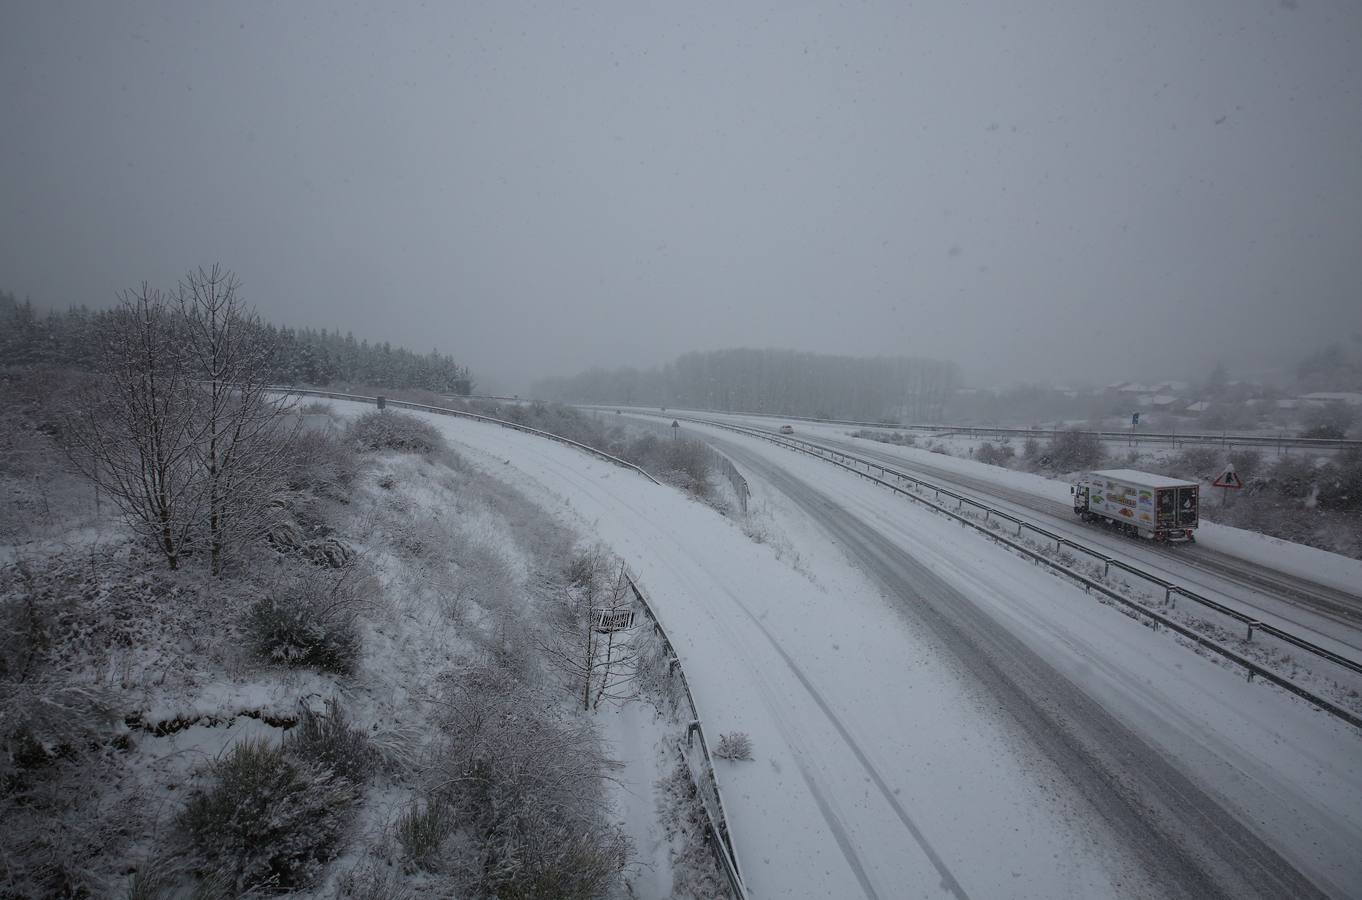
1198	408
1324	398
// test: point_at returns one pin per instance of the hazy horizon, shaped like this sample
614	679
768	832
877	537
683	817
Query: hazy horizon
1088	192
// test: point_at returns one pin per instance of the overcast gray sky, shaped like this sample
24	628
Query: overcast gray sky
1060	189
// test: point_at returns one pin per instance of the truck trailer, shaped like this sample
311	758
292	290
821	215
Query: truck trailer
1151	506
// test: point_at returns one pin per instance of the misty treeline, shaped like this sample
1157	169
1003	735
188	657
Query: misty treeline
785	382
301	356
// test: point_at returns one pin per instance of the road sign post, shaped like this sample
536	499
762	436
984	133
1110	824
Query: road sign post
1228	480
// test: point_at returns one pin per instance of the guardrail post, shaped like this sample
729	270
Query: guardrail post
1106	569
1168	596
691	729
1251	626
381	401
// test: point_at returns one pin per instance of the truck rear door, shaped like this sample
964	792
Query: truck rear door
1166	508
1187	507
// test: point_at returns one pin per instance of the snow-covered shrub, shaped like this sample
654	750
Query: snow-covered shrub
735	745
695	870
1341	481
390	430
1072	450
307	621
172	878
372	882
321	460
330	740
1247	463
994	455
50	704
1294	477
422	831
524	781
330	551
267	820
1199	462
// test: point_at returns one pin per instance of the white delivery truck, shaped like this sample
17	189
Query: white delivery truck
1151	506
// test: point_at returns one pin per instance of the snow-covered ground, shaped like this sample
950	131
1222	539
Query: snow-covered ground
881	769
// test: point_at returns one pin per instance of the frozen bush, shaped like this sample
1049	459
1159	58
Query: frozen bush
330	740
390	430
1293	477
307	622
735	745
1247	463
994	455
1199	462
422	831
1072	450
524	780
372	883
267	820
1340	481
321	460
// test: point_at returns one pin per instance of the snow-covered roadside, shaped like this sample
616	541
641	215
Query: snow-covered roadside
137	680
849	792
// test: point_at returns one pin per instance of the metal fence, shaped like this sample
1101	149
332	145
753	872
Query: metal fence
701	765
841	459
735	478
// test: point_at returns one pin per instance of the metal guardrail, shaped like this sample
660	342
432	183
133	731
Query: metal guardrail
714	806
736	479
718	822
463	414
840	459
1225	439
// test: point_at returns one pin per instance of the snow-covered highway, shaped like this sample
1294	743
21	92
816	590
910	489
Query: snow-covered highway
1306	591
933	716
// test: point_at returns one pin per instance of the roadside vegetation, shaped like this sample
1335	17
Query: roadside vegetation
675	459
343	668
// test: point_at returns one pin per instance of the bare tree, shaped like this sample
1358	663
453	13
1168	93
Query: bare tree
133	429
583	638
240	423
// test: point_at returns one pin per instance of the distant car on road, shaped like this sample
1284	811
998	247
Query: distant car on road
787	429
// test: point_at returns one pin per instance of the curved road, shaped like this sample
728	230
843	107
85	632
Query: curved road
1187	840
1318	612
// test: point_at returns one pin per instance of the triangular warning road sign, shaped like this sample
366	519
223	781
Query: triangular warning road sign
1228	479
